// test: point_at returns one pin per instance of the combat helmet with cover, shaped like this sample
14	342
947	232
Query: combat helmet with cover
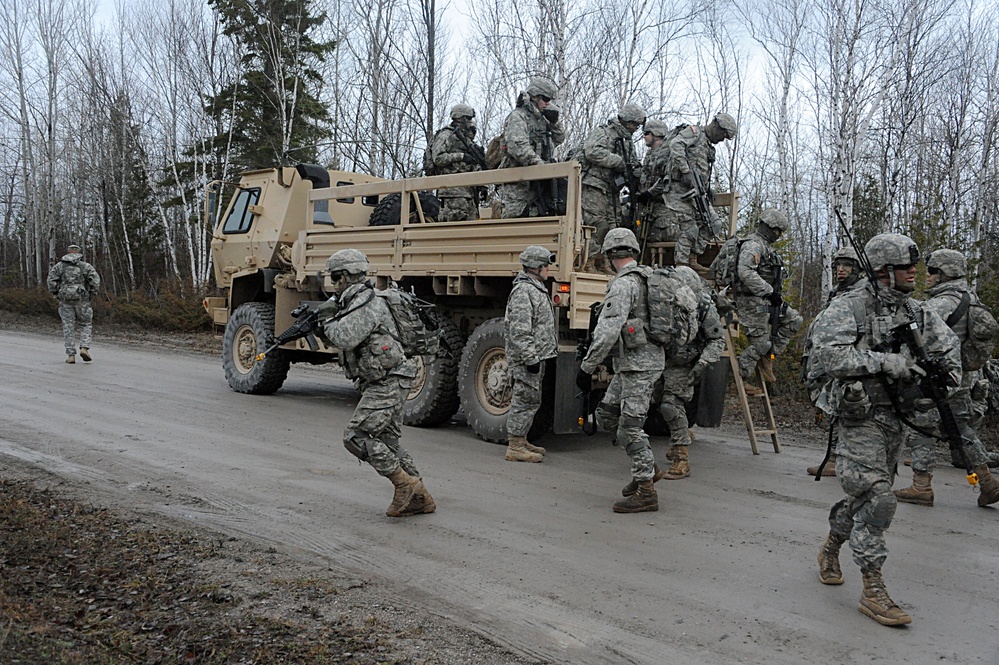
536	257
349	261
459	111
727	124
632	113
947	261
891	249
618	240
656	127
542	87
846	254
775	219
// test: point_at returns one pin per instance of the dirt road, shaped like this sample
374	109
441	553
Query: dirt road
529	554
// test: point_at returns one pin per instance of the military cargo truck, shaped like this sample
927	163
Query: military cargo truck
271	243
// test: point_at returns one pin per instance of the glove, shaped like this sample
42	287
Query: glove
775	299
551	114
687	180
644	196
470	158
328	309
533	368
898	366
584	380
696	371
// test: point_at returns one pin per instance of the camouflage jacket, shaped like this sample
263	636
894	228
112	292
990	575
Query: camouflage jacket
608	154
527	136
845	349
624	299
812	375
655	176
73	279
367	336
944	299
530	322
448	151
691	143
759	265
710	341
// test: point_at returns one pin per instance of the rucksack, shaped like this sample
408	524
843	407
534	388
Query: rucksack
673	310
725	267
429	168
419	333
977	348
71	286
495	151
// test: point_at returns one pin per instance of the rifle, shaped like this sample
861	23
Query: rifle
629	182
777	308
936	380
588	421
476	151
306	322
703	204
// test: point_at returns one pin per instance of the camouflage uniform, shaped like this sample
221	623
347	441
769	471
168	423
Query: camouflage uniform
529	139
452	152
760	268
626	403
73	281
530	340
608	156
659	223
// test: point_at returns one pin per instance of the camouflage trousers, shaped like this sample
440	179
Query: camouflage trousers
457	209
73	314
520	199
659	224
600	210
755	323
868	451
693	234
622	412
377	424
525	399
677	391
924	448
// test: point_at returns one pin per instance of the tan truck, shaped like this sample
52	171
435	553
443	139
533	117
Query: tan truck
270	247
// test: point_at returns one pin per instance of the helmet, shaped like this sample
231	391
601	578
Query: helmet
350	261
536	256
656	127
775	219
846	254
74	248
689	277
891	249
459	111
542	86
631	113
947	261
728	124
619	239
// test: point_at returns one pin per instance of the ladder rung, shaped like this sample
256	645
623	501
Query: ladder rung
764	431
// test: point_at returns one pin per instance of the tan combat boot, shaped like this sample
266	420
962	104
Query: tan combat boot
877	604
828	471
703	271
632	487
85	354
516	451
405	487
988	485
829	570
921	493
751	390
644	500
533	448
681	467
766	367
422	502
71	358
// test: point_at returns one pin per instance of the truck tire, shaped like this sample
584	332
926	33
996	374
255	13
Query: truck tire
389	209
246	335
434	397
483	385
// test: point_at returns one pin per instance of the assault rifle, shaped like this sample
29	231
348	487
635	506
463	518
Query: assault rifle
476	151
703	203
777	308
587	420
629	181
306	322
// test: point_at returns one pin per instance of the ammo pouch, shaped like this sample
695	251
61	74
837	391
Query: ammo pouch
855	406
633	334
980	390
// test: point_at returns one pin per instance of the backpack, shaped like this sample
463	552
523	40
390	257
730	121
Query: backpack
71	286
725	267
419	332
429	168
977	348
495	151
673	310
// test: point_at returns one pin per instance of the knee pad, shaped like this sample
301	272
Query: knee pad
881	507
607	415
357	443
669	411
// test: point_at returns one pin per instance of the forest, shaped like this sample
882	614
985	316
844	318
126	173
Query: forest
884	112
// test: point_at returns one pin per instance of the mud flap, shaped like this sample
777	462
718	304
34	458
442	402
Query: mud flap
711	402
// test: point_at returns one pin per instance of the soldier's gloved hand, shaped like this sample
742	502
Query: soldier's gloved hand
551	114
687	180
775	299
533	368
898	366
328	309
643	196
470	158
696	371
584	380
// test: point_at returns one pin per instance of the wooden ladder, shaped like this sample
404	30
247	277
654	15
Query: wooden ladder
747	414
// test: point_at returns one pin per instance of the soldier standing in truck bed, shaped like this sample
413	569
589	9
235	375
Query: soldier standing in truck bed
454	150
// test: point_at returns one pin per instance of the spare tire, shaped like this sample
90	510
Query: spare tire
389	209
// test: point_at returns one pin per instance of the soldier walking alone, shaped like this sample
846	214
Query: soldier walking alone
73	281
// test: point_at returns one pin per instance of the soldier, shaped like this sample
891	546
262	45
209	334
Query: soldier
361	326
73	281
658	223
609	163
694	148
637	365
684	370
846	336
454	151
846	272
530	134
530	341
946	271
757	291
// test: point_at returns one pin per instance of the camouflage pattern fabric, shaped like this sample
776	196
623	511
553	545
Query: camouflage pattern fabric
73	281
448	152
756	274
379	415
74	314
600	210
608	154
527	137
457	208
694	234
817	382
660	224
626	402
530	339
870	434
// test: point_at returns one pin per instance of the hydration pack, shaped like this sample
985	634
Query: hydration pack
419	333
673	310
977	348
725	267
429	168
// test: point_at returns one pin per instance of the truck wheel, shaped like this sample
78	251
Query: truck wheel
246	335
483	384
434	397
389	208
